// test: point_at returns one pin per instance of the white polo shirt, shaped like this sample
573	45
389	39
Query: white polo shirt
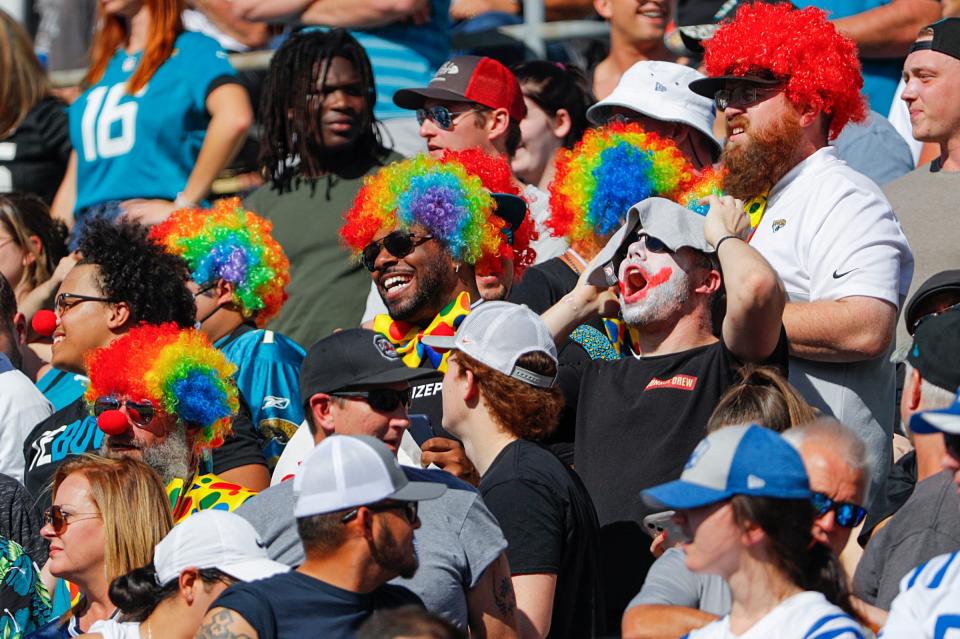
830	233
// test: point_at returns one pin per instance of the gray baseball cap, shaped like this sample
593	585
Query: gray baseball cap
659	217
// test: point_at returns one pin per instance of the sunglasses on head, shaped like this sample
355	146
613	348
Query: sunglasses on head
848	515
384	400
409	508
140	412
59	519
398	244
441	115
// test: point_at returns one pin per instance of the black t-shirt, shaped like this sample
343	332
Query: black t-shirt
293	604
637	421
551	527
34	158
72	431
543	285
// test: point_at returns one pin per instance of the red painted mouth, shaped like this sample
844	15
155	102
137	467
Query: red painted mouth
636	285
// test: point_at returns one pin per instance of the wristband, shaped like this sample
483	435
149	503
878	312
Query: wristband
716	249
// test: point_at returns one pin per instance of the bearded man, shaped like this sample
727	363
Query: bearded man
638	417
787	83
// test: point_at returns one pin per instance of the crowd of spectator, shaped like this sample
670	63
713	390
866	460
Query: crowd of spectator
407	334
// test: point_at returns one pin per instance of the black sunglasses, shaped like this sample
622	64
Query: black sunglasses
384	400
140	412
410	509
63	301
923	318
59	519
742	96
398	244
848	515
444	117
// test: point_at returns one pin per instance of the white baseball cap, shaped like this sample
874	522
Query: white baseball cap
497	334
214	539
345	471
660	90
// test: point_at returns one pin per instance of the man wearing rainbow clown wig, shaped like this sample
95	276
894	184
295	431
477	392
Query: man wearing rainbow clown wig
433	233
238	277
165	396
637	418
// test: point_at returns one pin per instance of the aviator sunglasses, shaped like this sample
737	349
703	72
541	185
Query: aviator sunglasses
848	515
441	115
398	244
59	519
140	412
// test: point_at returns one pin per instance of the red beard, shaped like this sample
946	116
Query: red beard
756	164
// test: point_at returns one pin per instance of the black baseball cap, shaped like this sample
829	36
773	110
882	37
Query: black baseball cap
354	357
946	38
708	87
942	282
511	208
935	348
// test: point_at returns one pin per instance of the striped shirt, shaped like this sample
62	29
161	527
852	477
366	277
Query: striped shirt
928	605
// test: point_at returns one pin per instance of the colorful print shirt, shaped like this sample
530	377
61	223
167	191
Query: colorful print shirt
24	601
206	492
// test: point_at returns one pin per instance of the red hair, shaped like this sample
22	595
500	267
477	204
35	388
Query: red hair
800	46
112	33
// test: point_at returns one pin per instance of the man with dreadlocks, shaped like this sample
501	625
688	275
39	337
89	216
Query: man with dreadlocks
319	140
238	277
787	83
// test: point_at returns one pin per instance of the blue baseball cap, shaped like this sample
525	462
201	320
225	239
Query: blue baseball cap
943	420
736	460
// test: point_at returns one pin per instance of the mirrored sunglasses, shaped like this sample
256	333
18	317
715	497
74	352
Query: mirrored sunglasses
141	412
848	515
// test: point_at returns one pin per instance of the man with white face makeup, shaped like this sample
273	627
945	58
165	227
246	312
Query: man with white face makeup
638	418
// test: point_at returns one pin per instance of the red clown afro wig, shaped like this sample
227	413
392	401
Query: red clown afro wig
800	46
497	177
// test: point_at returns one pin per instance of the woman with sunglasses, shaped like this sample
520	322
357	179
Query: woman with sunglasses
106	518
745	505
199	559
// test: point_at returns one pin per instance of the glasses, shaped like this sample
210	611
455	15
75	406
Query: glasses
204	290
59	519
442	116
398	244
65	301
924	318
848	515
742	96
140	412
384	400
410	509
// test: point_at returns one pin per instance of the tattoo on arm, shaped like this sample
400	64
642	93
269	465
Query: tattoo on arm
503	596
218	626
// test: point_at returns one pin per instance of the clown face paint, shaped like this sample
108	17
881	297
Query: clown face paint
653	287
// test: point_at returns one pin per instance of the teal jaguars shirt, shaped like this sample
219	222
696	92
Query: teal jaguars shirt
145	145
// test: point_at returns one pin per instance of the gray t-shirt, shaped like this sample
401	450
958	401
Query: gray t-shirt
671	583
457	539
927	525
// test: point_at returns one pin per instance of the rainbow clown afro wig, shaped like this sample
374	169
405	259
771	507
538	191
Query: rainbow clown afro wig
177	370
442	198
799	46
611	169
497	177
230	243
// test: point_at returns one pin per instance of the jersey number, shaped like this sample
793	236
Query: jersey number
98	138
947	627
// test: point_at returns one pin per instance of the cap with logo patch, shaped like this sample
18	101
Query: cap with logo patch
353	357
497	334
657	217
469	78
735	460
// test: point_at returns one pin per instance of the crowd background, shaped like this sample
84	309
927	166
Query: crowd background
264	368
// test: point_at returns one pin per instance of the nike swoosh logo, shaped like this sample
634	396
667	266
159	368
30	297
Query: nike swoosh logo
837	276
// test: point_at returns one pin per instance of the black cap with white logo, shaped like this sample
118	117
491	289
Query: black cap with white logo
351	358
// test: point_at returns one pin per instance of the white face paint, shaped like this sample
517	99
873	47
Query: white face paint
653	286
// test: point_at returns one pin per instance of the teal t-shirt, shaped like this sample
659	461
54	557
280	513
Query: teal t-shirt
145	145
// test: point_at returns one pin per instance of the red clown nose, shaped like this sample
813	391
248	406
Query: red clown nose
112	422
44	322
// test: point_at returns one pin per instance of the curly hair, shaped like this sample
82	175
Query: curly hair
231	243
799	46
178	370
526	411
133	269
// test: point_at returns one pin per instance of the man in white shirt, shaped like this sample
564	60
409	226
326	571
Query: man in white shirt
827	230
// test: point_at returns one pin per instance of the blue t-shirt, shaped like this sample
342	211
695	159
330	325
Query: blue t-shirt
292	604
268	378
145	145
62	388
880	75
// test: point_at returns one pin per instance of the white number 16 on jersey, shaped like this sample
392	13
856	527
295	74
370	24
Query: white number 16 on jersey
97	139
